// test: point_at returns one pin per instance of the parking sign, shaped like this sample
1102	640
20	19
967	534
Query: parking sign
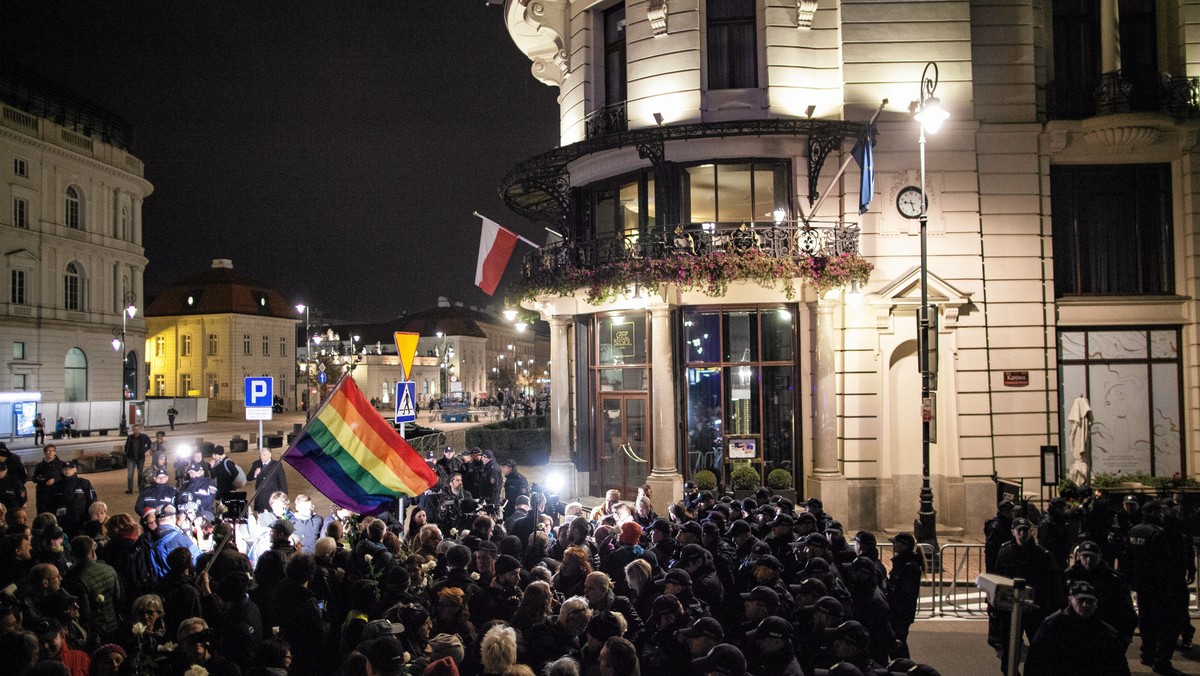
260	397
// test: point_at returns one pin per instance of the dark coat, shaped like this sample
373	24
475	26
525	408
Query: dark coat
1032	562
303	625
1067	645
904	588
1114	602
181	600
100	595
266	482
43	473
75	496
551	641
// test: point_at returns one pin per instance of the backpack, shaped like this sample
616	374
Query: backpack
239	476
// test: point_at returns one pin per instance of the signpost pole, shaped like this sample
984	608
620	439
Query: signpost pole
260	432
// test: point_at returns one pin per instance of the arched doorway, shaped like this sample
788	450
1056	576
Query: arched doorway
75	376
130	376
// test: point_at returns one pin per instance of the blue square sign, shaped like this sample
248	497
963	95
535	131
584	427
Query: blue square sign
406	402
260	392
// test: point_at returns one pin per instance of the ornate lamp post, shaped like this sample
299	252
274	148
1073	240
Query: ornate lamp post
118	343
928	112
304	309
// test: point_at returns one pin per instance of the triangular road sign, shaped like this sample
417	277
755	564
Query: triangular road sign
406	347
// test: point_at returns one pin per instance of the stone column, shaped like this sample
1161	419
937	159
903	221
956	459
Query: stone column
827	482
1110	36
665	481
560	405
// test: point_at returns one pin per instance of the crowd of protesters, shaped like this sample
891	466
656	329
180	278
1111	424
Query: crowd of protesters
499	579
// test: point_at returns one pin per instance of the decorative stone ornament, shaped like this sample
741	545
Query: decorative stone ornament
805	9
656	12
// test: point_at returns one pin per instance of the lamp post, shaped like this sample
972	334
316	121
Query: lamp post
118	343
928	112
304	309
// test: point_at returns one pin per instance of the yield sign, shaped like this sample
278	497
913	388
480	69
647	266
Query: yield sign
406	347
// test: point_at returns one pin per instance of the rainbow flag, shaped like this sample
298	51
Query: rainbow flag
354	457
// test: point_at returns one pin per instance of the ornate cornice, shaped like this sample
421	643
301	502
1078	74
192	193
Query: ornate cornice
656	13
46	147
805	9
539	29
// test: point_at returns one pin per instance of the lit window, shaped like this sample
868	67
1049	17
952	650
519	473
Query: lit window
212	344
18	350
160	344
185	345
72	208
17	288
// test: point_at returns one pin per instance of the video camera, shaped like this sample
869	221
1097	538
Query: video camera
554	505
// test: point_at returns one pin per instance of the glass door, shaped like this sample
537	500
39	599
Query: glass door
623	448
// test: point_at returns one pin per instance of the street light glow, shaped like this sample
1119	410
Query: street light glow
300	307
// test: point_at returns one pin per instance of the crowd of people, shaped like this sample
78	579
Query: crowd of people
507	581
1087	557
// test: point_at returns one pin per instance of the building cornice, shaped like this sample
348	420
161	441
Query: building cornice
46	147
540	30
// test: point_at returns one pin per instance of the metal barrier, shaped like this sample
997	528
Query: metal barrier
927	602
955	581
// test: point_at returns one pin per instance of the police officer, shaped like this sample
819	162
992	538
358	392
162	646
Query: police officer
1054	532
515	484
997	531
1155	579
490	479
1075	640
157	494
200	493
448	465
1024	558
46	474
1114	601
12	491
75	495
472	470
1182	555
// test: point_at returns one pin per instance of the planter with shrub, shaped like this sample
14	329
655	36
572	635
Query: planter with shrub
745	480
705	480
779	480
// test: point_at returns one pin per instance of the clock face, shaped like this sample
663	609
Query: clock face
908	202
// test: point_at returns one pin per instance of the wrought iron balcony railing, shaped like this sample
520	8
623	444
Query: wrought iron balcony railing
783	241
607	120
1126	91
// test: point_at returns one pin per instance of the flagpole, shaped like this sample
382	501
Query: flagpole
529	242
846	163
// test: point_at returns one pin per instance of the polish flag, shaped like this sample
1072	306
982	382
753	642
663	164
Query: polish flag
495	248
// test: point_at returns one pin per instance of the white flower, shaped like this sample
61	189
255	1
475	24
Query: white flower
138	629
99	598
196	670
453	532
428	566
167	647
474	576
407	657
368	558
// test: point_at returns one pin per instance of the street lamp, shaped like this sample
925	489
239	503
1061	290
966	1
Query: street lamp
118	343
928	112
304	309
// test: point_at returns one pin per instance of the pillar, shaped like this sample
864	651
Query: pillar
1110	36
560	406
827	481
665	481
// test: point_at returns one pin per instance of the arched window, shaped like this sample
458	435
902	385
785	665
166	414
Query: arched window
130	377
75	375
73	210
123	228
72	286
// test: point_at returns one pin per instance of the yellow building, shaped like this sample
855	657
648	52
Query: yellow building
205	334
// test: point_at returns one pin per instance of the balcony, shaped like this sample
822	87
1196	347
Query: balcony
607	120
706	256
1125	91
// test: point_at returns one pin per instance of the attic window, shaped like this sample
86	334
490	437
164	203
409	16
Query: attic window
260	299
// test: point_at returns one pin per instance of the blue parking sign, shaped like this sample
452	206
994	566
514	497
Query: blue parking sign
260	392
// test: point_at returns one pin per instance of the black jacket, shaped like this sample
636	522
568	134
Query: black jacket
1067	645
136	447
1032	562
1114	603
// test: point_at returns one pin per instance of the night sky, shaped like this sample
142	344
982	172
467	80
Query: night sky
334	151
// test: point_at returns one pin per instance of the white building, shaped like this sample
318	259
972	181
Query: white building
71	239
205	334
1062	262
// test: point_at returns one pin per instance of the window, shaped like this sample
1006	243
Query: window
18	288
266	346
72	208
741	380
1132	380
160	385
1077	91
18	382
160	344
20	167
1112	229
123	224
615	77
245	343
185	345
185	384
20	213
18	350
732	44
75	370
72	282
212	344
623	207
283	346
734	193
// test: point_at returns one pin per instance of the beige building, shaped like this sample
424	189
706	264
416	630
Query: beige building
207	333
1061	257
71	240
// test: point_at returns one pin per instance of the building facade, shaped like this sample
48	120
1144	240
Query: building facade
208	332
699	172
71	235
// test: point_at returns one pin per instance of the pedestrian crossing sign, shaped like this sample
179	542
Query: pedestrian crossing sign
406	402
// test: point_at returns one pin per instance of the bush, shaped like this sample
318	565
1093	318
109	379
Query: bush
745	478
706	480
526	422
779	480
